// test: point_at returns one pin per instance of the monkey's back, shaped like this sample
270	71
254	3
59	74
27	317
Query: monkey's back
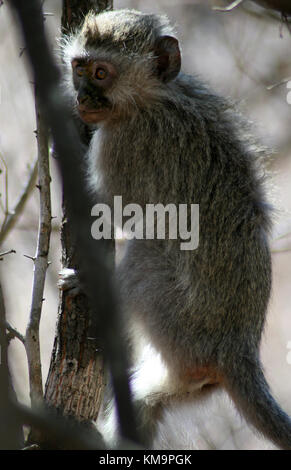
187	149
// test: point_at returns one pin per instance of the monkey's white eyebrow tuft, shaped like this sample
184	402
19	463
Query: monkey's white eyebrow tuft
73	49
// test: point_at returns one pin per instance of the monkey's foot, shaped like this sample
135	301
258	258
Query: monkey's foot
68	280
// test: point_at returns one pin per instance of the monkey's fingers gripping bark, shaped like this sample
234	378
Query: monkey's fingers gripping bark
68	280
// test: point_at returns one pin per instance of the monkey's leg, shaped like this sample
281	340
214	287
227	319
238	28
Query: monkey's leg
194	331
156	301
155	389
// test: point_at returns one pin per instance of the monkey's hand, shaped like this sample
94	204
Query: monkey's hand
69	281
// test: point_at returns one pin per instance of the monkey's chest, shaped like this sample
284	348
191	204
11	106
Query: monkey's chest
137	183
131	169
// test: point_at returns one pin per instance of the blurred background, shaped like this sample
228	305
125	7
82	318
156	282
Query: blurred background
243	54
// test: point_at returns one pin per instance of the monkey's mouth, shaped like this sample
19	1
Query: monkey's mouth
90	116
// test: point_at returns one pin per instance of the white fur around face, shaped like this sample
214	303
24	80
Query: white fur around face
94	174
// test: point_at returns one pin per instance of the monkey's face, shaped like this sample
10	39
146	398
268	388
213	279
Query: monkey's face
118	63
92	80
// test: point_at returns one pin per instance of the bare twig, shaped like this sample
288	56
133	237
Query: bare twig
281	82
33	258
6	253
12	217
230	7
32	344
281	251
284	235
13	333
6	208
281	237
21	51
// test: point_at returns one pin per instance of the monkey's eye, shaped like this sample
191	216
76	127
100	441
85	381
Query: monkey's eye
80	70
100	74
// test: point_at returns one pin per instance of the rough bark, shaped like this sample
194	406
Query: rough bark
75	381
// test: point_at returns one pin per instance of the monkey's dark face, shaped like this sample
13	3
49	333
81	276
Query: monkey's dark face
92	80
119	68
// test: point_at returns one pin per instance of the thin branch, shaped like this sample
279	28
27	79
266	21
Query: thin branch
287	250
281	237
6	208
284	235
12	217
282	82
6	253
230	7
32	344
33	258
13	333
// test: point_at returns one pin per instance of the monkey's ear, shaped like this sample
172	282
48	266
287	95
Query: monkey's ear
168	57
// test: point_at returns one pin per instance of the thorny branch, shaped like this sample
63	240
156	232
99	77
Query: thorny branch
4	253
13	333
11	217
32	344
31	338
230	7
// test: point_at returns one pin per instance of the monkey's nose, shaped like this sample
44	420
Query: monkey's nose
82	99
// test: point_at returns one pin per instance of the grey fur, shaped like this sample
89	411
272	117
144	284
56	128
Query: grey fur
177	142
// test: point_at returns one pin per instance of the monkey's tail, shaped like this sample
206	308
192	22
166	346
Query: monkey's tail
247	386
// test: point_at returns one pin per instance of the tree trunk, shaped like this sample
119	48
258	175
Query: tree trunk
75	381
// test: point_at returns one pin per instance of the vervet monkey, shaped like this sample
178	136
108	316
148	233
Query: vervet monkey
163	137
